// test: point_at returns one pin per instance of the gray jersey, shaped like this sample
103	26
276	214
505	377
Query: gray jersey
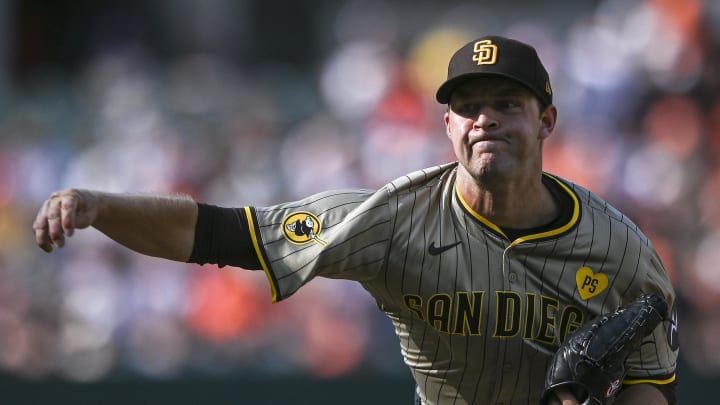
478	316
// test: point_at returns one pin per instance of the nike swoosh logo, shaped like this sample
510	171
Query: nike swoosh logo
436	250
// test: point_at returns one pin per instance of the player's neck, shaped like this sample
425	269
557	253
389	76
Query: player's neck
518	203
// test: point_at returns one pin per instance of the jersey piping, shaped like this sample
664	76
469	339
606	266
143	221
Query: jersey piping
650	381
254	235
541	235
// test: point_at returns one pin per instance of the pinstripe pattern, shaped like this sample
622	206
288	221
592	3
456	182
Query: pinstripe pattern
476	323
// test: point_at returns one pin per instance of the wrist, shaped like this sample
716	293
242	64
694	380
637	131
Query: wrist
562	396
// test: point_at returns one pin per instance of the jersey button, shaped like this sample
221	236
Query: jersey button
513	277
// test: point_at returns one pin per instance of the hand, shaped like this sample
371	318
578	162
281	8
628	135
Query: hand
590	363
61	214
563	397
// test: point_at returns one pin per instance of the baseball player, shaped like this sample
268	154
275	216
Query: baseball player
485	265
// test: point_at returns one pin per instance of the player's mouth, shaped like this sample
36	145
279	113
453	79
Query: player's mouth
487	142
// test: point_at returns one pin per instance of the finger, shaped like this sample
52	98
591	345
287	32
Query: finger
54	221
40	226
68	212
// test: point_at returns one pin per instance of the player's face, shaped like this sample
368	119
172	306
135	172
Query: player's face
497	128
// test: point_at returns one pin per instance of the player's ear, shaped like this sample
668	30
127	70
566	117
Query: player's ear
548	119
446	119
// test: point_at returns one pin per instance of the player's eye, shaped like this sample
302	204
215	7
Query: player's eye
504	105
467	109
472	109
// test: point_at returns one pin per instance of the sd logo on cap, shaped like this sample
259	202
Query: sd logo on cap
497	56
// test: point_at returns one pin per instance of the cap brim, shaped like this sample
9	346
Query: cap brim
446	89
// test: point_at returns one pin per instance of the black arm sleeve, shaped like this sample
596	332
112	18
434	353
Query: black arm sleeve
222	237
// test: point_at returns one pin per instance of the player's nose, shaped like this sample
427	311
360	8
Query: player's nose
485	121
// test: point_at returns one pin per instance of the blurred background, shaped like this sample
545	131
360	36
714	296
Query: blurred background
249	102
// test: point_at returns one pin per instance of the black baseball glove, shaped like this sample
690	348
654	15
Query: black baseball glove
591	361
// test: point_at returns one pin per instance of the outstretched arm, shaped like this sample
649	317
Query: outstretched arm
641	394
160	226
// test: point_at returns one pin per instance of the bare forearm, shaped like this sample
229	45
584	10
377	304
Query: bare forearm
161	226
641	394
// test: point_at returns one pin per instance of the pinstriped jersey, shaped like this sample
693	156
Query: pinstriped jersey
478	314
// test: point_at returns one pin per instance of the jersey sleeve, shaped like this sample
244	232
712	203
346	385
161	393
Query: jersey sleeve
336	234
656	361
622	251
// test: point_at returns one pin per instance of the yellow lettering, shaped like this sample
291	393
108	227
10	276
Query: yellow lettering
438	312
571	319
546	328
539	318
414	303
468	315
507	316
529	315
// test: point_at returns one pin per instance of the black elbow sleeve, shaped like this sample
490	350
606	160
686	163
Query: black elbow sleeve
222	237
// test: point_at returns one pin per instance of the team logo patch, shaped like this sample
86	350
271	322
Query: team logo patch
303	227
485	52
589	283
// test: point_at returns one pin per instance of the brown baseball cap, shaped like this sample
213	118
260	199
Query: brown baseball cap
497	56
